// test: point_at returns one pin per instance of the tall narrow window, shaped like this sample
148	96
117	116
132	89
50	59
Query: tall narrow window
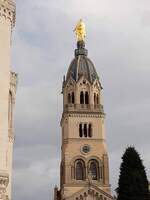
69	98
79	170
81	97
85	130
94	99
90	130
80	130
73	98
94	169
97	99
86	98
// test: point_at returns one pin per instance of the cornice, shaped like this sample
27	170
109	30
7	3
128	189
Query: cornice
82	114
83	139
85	183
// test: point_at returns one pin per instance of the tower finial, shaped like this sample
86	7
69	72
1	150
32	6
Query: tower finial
80	31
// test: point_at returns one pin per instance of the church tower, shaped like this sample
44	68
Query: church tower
84	158
8	81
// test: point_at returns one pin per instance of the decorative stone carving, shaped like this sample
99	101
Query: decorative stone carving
91	193
13	84
4	181
12	96
7	10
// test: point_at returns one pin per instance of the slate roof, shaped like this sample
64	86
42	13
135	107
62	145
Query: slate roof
81	65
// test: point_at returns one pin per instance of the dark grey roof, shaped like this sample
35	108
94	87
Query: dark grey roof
81	65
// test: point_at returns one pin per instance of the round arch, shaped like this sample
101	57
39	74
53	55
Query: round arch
79	170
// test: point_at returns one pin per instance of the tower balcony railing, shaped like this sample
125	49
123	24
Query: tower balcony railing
83	107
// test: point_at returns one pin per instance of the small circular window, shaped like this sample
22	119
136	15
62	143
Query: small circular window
85	149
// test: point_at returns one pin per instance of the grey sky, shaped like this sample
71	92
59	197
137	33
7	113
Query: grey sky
118	41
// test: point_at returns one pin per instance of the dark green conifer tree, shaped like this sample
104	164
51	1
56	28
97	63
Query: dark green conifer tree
133	183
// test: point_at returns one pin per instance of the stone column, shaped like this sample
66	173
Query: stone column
106	169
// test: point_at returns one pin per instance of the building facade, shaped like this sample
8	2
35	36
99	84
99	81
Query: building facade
84	170
8	82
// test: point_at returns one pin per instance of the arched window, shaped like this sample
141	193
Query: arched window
86	98
90	130
69	98
85	130
94	169
97	99
79	170
73	98
81	97
80	130
94	98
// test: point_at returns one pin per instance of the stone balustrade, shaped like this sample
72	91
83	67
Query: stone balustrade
83	107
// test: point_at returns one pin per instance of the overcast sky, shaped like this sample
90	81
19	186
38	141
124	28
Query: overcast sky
118	41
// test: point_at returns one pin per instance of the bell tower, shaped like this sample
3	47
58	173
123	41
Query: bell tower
8	82
84	158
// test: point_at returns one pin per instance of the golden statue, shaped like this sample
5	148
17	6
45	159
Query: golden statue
80	31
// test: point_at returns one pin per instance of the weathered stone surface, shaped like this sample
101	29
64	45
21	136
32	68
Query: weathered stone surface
83	133
8	82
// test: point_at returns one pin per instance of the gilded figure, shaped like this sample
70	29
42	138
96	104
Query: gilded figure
80	31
